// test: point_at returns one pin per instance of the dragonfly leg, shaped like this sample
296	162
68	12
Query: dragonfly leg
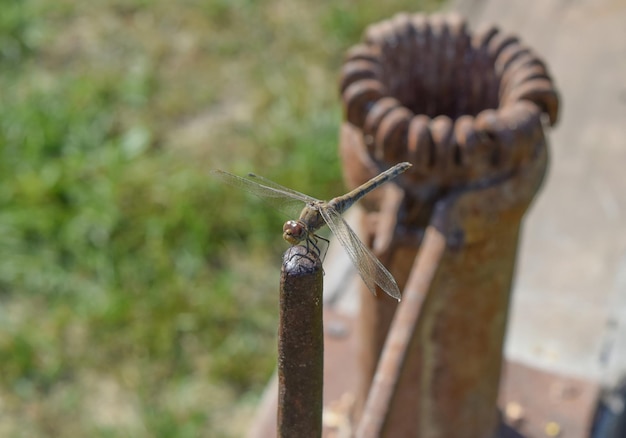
312	240
308	251
315	236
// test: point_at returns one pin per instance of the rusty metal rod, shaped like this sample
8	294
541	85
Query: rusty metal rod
300	345
402	328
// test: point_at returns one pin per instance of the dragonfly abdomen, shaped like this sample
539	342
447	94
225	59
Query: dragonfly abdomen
342	203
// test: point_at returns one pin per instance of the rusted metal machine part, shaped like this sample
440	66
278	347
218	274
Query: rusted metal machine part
300	345
468	111
439	372
422	89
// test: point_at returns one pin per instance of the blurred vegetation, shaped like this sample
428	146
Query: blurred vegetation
137	295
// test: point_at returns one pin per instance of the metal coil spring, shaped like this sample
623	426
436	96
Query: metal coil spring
460	107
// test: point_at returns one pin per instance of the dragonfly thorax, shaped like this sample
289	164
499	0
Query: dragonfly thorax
294	232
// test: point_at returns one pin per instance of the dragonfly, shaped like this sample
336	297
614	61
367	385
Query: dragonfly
315	213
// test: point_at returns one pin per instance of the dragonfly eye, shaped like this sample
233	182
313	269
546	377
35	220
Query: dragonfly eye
294	232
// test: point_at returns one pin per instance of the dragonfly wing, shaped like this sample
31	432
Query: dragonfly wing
369	267
286	190
283	199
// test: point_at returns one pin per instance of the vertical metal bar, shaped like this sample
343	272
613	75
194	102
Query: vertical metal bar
300	345
402	328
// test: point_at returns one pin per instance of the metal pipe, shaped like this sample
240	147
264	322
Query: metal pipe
402	328
300	345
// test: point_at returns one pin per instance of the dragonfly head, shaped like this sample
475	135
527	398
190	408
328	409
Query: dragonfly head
294	232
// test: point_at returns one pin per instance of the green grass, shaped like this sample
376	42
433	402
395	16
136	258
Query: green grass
138	297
